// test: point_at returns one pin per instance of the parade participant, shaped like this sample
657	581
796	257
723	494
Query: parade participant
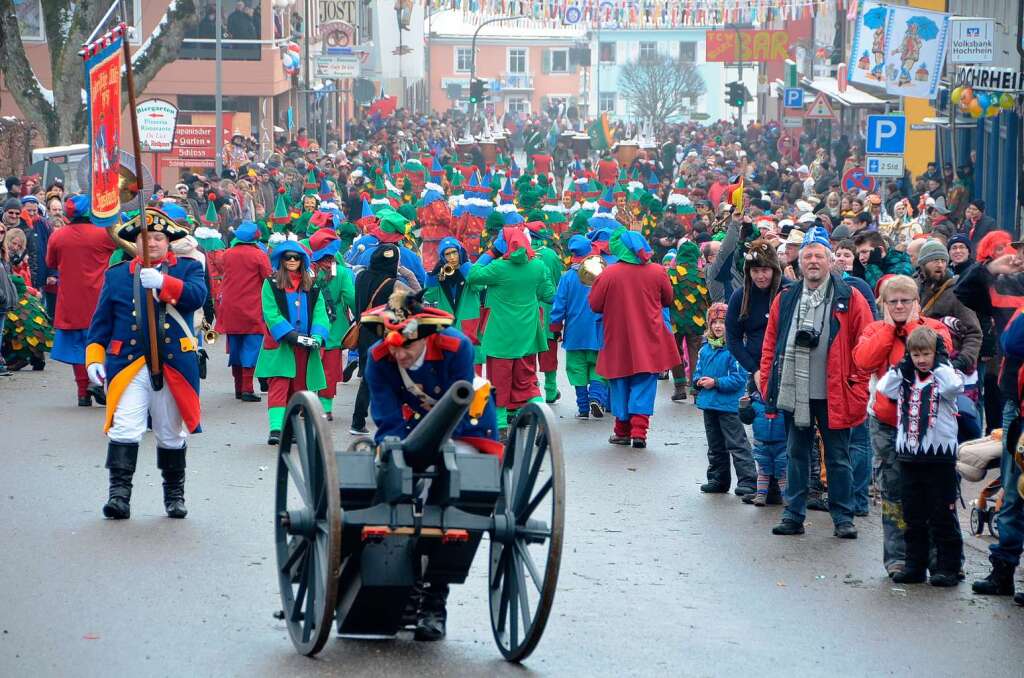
27	333
631	295
447	289
806	372
296	326
118	356
719	381
687	313
245	267
579	328
79	253
925	387
337	287
541	238
517	284
419	358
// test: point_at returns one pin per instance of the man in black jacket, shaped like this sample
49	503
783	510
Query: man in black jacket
976	224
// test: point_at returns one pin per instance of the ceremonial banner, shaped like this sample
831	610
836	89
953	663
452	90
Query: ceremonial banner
915	47
867	49
103	97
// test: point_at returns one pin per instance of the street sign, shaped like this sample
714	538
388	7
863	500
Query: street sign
972	40
856	179
335	66
157	121
793	97
792	122
885	165
886	134
821	109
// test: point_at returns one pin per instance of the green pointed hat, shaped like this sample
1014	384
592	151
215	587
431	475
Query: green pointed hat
211	218
280	215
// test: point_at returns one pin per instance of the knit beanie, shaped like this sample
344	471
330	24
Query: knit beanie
932	250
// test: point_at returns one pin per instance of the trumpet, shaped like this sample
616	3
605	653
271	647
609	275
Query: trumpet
590	268
210	335
446	271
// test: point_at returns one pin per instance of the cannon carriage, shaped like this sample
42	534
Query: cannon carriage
355	529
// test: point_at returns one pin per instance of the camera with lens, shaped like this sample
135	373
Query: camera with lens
807	337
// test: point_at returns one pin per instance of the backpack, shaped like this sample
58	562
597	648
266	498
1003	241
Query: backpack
8	294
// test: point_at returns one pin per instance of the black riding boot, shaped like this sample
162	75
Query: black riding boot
433	613
172	465
121	459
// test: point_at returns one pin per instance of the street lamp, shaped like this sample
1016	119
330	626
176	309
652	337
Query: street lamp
472	52
739	58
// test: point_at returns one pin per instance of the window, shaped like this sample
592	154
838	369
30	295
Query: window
687	52
517	61
30	19
693	102
648	51
606	52
517	105
463	59
558	61
606	102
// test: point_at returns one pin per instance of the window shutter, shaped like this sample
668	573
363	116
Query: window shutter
546	60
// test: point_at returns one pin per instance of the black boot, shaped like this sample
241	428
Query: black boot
121	459
999	581
433	614
172	465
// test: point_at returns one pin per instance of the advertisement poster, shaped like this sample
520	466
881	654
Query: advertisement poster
915	46
867	49
103	96
755	46
157	120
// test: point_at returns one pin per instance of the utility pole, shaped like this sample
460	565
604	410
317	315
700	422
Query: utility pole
472	52
737	27
218	95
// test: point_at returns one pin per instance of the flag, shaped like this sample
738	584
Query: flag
600	133
384	107
103	62
735	193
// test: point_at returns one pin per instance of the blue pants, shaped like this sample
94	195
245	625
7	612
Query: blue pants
633	395
1010	519
244	349
860	457
597	391
800	445
771	458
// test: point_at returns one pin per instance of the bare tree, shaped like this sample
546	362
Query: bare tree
659	88
59	113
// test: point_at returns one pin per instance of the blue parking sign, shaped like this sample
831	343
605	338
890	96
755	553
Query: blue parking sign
886	134
793	97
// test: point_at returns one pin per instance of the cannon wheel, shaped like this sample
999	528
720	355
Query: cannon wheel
308	533
520	596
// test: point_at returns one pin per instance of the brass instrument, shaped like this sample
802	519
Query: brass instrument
210	335
591	266
446	271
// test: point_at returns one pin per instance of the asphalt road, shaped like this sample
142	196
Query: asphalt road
656	579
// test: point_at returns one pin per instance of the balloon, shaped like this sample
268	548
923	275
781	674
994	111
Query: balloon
984	100
993	111
954	96
967	94
975	109
1006	101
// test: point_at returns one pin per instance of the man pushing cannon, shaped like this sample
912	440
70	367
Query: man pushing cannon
419	357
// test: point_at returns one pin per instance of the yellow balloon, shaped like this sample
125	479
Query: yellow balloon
975	109
1006	101
954	96
993	111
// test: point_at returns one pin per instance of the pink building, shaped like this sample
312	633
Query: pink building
527	68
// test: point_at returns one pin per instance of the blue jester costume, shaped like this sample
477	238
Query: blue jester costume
118	339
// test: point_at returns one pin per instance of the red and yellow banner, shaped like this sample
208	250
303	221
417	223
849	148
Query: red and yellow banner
755	46
103	61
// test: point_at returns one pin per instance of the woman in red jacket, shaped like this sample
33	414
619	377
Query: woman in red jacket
245	266
880	347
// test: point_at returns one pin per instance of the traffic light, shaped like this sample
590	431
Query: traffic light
477	91
735	94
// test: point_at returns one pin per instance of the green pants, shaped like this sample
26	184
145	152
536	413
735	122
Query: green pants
581	368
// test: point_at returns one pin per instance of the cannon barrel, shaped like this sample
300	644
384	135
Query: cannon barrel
422	447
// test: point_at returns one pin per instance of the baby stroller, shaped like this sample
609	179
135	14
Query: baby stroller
974	459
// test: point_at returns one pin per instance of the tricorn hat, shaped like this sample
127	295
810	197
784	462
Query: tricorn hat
157	221
405	319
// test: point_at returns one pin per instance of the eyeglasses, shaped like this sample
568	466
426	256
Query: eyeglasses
900	302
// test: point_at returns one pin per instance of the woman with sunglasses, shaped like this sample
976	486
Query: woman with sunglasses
296	326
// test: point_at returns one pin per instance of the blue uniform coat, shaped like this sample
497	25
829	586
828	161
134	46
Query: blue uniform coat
582	329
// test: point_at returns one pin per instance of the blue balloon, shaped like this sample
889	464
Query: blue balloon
984	100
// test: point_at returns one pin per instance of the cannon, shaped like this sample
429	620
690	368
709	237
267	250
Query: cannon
355	529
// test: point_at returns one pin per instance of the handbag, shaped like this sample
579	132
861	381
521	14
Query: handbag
351	338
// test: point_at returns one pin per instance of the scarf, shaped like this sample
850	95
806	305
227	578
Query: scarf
794	389
715	342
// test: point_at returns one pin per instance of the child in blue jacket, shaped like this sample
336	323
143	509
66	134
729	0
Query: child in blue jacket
720	380
769	452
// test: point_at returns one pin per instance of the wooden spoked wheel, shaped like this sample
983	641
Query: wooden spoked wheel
526	542
307	524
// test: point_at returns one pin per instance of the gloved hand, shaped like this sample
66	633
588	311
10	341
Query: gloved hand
308	341
97	374
151	278
290	338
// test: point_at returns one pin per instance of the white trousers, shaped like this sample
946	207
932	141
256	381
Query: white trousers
138	400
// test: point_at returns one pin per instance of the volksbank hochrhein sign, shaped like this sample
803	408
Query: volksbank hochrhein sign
972	41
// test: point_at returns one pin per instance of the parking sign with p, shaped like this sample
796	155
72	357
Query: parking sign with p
792	97
886	134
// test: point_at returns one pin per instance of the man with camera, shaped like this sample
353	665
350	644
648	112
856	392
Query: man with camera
808	374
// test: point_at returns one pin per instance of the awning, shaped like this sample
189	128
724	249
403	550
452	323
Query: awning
852	97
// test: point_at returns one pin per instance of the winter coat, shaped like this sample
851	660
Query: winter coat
766	430
286	312
979	229
516	286
745	337
937	431
939	301
79	253
245	267
553	262
730	379
846	384
637	340
882	346
571	315
339	295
